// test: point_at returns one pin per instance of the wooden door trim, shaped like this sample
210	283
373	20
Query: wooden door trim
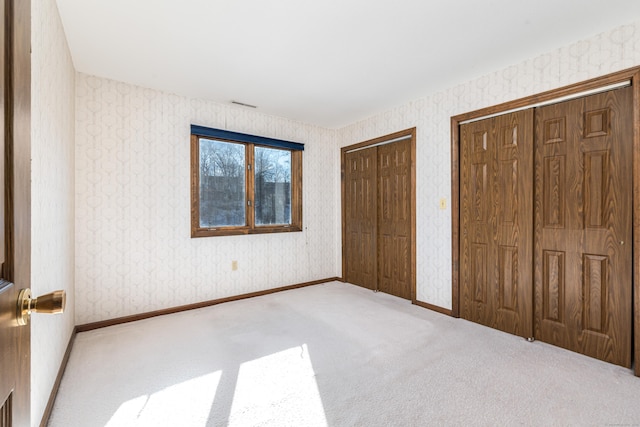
411	133
636	217
630	74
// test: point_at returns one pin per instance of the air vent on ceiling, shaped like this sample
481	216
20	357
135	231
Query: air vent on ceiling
243	104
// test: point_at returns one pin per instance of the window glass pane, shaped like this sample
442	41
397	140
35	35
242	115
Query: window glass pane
272	186
222	183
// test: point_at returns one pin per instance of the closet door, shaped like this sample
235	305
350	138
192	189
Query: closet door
361	218
583	234
377	214
496	217
394	218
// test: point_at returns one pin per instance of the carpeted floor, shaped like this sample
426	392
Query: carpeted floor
332	355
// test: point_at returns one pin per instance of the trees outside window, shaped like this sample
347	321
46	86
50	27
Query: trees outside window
244	188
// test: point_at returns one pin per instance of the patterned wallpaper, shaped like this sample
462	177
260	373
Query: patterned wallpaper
134	252
52	194
605	53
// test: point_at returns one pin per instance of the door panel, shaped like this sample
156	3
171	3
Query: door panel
514	197
583	234
7	291
394	219
496	222
361	218
15	35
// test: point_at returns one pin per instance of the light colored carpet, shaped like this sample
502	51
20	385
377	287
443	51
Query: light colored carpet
332	355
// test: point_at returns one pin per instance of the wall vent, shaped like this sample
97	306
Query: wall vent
243	104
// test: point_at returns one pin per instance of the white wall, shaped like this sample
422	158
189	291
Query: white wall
134	252
52	194
602	54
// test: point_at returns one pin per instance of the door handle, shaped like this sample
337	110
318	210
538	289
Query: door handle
51	303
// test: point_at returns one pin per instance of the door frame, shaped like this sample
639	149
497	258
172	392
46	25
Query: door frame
630	74
407	133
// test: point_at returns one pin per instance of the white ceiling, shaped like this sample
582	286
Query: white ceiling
327	62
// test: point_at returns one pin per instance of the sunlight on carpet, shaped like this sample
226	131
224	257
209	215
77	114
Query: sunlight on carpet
193	397
283	380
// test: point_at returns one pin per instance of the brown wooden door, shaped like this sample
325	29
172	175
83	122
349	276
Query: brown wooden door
394	219
377	218
496	222
361	218
583	235
15	218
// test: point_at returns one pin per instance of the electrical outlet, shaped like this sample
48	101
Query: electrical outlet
443	203
234	265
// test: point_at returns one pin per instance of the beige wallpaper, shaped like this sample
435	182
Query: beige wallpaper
52	194
134	252
132	241
602	54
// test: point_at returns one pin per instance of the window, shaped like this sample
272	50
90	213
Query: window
244	184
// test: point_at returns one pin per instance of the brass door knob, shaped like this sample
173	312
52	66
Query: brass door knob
51	303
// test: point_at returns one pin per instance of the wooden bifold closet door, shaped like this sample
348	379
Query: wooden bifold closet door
361	222
496	222
546	251
377	218
583	234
